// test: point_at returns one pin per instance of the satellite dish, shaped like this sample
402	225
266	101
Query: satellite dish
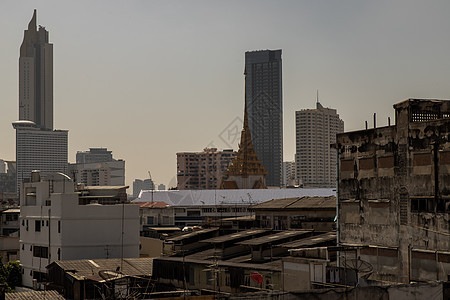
363	268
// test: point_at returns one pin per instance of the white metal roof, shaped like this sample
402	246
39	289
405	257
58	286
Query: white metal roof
228	197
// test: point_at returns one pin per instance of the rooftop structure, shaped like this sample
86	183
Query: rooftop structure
246	170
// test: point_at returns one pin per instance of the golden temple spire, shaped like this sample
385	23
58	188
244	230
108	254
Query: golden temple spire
246	161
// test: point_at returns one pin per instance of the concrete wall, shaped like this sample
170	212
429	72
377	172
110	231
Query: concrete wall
394	182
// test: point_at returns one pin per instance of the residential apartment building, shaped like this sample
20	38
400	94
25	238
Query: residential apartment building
139	185
289	174
97	167
202	170
39	149
315	159
58	222
264	101
394	193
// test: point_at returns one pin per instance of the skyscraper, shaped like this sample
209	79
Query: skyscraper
36	77
264	100
38	146
315	160
39	149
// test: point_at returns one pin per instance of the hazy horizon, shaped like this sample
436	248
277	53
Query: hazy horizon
148	79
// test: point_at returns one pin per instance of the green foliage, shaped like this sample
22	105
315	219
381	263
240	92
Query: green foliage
14	277
10	275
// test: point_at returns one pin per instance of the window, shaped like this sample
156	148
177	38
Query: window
37	226
59	226
41	252
150	220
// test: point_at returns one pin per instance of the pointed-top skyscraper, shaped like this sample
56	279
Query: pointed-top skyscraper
246	170
36	76
38	146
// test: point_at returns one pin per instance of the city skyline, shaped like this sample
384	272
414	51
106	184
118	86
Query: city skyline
361	57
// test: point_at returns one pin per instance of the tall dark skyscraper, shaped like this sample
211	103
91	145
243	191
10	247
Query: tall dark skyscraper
36	77
264	98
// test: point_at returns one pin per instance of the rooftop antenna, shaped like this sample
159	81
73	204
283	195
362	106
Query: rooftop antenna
317	96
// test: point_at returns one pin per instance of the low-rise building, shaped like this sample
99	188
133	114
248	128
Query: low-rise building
59	222
10	222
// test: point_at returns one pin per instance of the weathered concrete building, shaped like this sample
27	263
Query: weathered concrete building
394	190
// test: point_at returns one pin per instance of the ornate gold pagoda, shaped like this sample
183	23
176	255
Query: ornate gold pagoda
246	170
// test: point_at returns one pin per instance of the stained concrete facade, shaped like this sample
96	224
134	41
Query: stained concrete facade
394	189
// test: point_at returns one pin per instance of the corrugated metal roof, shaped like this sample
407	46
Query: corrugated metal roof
157	204
234	236
228	197
89	268
311	241
275	237
299	203
191	234
50	295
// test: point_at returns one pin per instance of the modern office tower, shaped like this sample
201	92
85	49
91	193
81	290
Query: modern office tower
264	98
202	170
97	167
315	160
36	77
39	149
139	185
289	173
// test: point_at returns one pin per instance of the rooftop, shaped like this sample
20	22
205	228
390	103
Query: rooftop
90	268
311	241
235	236
228	197
299	203
157	204
268	239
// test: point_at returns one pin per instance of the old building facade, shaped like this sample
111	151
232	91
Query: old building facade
394	190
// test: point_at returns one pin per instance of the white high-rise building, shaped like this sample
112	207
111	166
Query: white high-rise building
36	77
39	149
289	173
315	160
58	222
98	167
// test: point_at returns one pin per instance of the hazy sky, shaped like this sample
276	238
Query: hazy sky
147	79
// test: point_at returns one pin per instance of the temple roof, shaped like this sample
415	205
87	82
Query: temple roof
246	161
